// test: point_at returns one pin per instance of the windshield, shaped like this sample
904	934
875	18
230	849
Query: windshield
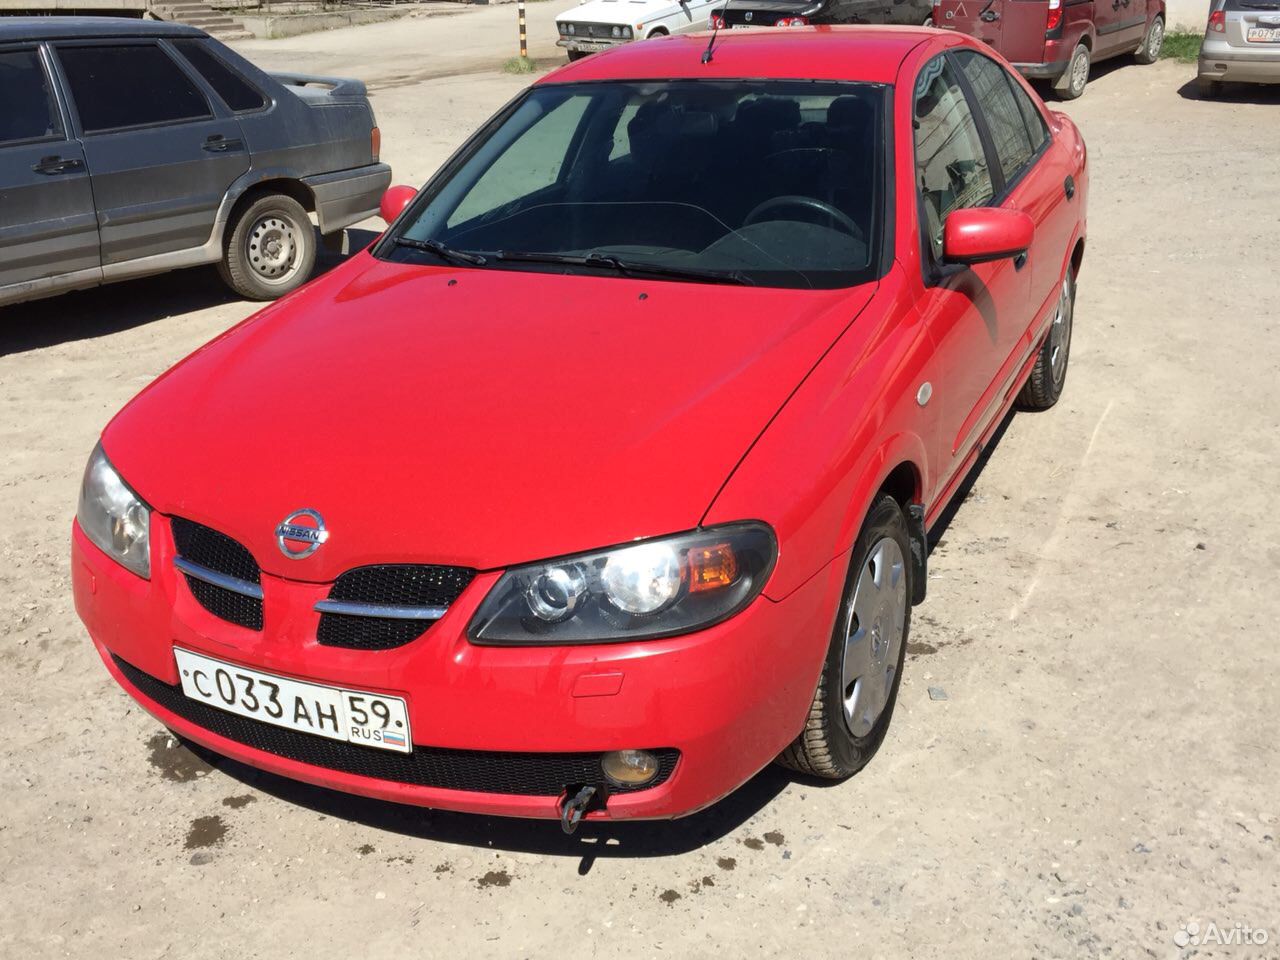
766	182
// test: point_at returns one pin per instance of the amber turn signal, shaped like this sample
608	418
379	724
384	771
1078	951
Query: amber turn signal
711	568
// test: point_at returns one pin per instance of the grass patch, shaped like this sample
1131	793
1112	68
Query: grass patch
1181	45
520	65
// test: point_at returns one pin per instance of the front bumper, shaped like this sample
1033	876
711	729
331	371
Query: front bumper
728	698
348	196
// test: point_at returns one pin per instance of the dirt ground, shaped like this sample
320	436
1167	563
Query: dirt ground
1101	618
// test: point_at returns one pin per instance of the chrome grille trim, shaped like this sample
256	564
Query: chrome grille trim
347	608
234	584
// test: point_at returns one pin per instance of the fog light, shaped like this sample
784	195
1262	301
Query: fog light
629	768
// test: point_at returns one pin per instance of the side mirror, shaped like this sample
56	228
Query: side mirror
982	234
395	200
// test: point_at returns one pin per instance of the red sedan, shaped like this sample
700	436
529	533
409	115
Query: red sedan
604	477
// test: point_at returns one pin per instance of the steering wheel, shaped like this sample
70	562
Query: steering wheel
839	217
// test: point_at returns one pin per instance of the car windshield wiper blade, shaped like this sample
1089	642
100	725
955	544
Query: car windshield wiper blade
628	267
442	250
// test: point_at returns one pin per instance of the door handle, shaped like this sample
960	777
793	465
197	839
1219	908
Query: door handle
50	166
1069	187
220	144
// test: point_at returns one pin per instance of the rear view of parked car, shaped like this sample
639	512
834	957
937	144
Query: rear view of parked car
1059	40
1241	44
130	148
798	13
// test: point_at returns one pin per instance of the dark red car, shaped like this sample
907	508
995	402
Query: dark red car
603	478
1059	40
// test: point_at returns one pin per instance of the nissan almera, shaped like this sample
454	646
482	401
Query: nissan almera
604	477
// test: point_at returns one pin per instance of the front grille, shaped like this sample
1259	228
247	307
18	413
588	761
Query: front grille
401	585
479	771
590	31
218	552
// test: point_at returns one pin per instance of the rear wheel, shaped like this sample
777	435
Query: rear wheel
858	688
1149	52
1074	79
1044	386
271	250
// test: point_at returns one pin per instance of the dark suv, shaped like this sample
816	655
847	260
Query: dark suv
130	147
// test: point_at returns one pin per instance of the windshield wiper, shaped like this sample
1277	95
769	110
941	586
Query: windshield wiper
628	267
442	250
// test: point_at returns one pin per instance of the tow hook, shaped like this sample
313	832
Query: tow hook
573	809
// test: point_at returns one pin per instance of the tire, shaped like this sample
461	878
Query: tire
657	32
1152	42
1071	84
1049	375
829	746
271	249
1209	89
577	55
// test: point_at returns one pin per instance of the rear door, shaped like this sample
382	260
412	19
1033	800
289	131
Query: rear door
1120	24
161	156
983	19
47	222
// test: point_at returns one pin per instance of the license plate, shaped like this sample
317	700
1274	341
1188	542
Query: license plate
1263	35
354	716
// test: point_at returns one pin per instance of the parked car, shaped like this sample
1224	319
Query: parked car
799	13
600	24
1241	44
131	147
1060	40
610	478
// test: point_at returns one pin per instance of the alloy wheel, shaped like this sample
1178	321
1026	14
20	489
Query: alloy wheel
1060	334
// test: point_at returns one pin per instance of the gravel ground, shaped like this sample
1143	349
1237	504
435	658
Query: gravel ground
1102	771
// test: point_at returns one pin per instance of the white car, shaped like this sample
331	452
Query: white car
600	24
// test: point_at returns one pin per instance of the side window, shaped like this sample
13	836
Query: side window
235	91
509	179
951	165
28	110
130	85
1036	128
1005	121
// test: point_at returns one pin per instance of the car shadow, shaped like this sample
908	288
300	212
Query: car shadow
116	307
594	838
1232	93
967	484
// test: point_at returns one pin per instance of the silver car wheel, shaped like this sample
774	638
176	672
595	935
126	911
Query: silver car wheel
1156	40
1079	74
272	249
1060	334
873	633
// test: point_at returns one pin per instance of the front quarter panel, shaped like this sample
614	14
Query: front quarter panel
814	471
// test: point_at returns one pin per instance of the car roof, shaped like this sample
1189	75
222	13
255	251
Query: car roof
76	28
866	53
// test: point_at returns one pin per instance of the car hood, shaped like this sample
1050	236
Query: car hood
613	11
473	417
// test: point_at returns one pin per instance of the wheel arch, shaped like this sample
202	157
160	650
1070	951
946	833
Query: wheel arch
257	184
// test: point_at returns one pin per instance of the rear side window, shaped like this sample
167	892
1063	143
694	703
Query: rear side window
951	165
235	91
28	110
1006	122
130	85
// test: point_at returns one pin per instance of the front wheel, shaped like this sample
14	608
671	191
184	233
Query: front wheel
271	250
1152	43
1076	76
858	687
1044	386
577	55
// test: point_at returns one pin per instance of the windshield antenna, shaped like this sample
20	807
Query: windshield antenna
715	30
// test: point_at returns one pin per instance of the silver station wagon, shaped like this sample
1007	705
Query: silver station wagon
130	147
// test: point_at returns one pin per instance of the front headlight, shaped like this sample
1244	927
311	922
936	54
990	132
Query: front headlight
113	516
616	32
562	28
626	33
640	591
